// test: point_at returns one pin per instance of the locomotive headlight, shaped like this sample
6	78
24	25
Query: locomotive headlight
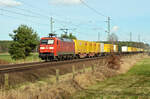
51	47
42	47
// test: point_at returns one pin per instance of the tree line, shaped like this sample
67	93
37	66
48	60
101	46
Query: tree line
4	46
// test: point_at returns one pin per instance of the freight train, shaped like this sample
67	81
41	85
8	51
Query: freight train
54	48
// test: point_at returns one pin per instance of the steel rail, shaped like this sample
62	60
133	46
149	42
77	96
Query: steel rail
26	66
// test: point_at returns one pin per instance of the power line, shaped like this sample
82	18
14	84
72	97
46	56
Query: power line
29	15
39	15
18	13
17	18
99	13
47	17
32	12
42	10
69	22
33	16
31	6
29	11
94	10
61	21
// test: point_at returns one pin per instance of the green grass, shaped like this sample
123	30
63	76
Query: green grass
135	84
7	57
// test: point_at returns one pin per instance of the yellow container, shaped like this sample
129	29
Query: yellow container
142	50
129	49
108	48
138	49
90	48
97	48
80	46
134	49
93	47
87	47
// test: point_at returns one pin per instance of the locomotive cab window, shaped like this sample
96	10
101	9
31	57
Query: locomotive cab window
51	41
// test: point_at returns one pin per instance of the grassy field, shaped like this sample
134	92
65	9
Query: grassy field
7	57
135	84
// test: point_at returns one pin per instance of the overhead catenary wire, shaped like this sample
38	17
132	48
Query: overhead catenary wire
28	11
38	15
56	19
32	12
99	13
34	7
43	10
18	18
94	10
67	23
18	13
27	15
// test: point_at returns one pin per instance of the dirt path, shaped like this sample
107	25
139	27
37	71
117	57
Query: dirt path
129	61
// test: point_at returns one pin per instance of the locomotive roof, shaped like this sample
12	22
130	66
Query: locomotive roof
62	39
65	39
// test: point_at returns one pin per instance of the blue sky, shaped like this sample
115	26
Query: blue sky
127	16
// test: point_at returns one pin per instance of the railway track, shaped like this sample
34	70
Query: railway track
19	67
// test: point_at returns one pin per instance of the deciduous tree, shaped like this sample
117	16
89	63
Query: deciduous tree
24	42
70	36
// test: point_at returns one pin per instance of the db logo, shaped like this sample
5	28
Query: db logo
46	47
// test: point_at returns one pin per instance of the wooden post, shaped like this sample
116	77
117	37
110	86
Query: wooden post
84	68
6	81
37	97
57	75
97	65
93	68
73	71
40	60
103	62
32	57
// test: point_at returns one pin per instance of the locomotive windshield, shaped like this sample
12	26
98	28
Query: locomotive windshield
46	41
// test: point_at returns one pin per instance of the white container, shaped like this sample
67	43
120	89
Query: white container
124	48
115	48
102	47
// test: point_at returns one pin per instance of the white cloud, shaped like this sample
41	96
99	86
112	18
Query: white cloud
9	3
115	29
65	2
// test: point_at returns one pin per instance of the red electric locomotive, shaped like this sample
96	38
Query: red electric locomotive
56	48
